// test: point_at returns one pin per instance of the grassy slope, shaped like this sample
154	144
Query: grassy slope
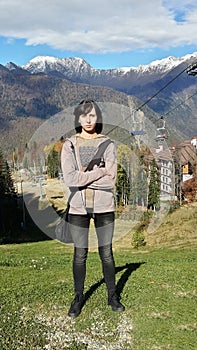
157	285
179	228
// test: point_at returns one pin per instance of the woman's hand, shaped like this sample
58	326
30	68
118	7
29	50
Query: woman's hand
102	167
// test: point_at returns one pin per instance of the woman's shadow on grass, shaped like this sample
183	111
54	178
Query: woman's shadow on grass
129	268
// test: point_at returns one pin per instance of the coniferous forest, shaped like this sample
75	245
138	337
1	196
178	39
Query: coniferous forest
15	223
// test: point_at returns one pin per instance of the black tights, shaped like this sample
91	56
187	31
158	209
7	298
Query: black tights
108	267
79	227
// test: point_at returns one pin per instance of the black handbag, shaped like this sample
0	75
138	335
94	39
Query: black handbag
62	230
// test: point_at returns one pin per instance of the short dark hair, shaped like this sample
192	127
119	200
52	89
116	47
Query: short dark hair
83	108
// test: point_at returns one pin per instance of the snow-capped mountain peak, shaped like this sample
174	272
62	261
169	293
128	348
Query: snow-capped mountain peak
49	63
164	64
76	69
77	65
171	61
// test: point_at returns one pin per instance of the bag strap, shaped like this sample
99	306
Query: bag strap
98	155
72	193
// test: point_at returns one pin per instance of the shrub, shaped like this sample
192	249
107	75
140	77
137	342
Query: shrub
138	238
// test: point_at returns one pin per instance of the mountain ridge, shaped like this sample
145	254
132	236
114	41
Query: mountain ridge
51	84
166	63
166	79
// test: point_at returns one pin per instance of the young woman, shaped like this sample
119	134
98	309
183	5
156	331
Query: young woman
91	197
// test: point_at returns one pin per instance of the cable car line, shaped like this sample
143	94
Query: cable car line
151	98
180	104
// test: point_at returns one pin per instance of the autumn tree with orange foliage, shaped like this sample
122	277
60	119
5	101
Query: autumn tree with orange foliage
189	189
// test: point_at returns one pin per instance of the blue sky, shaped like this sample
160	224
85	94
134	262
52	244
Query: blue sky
106	33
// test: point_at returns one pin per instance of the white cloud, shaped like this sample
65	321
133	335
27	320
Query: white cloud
100	25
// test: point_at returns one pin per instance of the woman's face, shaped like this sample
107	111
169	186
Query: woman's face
88	121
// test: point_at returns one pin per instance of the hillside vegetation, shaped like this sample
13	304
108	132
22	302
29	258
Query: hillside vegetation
179	229
28	100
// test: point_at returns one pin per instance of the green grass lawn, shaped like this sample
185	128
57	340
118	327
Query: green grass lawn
157	287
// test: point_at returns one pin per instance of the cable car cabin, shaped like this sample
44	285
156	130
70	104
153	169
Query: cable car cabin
161	123
162	133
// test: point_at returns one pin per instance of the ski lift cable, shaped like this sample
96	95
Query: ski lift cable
162	117
151	98
171	110
180	104
188	69
166	85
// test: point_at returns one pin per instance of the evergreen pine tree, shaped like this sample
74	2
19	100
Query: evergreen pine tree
8	180
3	185
154	186
8	212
